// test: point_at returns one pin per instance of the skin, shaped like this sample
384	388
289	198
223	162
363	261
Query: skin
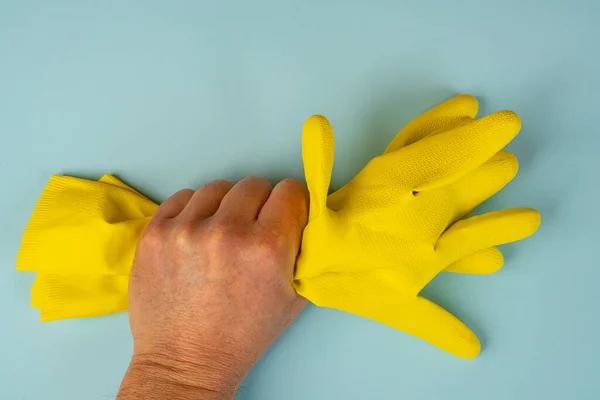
211	287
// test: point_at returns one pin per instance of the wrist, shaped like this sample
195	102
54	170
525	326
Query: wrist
158	377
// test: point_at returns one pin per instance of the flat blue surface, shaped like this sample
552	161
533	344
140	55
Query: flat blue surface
170	94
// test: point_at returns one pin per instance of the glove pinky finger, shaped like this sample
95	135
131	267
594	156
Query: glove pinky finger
486	261
476	233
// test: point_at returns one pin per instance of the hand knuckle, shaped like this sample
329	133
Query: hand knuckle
273	229
222	236
269	246
184	236
155	232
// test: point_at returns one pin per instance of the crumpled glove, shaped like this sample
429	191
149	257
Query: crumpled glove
372	246
81	240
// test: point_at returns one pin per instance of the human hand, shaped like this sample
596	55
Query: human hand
211	287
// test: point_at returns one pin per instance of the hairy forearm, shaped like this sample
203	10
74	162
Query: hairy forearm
151	379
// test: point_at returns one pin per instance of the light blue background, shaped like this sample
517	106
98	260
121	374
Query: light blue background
170	94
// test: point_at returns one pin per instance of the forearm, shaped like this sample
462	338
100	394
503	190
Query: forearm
151	379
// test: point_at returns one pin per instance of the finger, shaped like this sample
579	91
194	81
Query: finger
477	186
443	158
470	235
368	294
245	199
486	261
206	200
285	213
317	156
174	204
455	112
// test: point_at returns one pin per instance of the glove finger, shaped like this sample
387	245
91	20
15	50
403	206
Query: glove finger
453	113
457	111
317	156
432	323
371	294
477	186
486	261
470	235
441	159
62	296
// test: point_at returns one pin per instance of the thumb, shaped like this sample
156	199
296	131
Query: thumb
435	325
373	295
317	155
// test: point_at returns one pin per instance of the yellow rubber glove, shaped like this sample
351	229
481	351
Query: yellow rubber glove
371	247
84	227
61	295
81	239
67	288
